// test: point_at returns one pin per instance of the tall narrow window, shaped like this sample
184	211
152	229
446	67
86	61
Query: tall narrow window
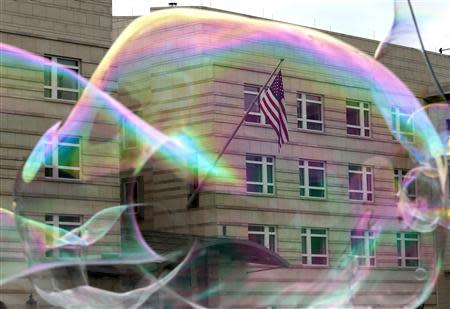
264	235
259	172
312	178
62	158
408	249
402	128
132	193
57	83
193	181
314	246
400	177
66	223
309	111
363	247
358	118
360	183
129	135
255	115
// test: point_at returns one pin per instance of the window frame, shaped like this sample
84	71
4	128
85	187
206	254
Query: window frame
399	177
368	259
401	254
306	233
302	101
362	107
138	182
264	168
56	222
305	165
259	113
55	167
365	172
396	125
53	87
267	232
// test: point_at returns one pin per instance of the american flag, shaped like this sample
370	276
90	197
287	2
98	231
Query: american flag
272	105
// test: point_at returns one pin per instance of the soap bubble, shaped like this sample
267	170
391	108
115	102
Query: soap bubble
171	74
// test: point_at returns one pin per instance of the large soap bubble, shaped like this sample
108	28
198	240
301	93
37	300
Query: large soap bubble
175	69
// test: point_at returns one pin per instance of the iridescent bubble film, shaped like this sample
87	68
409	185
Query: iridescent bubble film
155	114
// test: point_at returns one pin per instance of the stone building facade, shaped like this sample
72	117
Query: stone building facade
76	34
279	208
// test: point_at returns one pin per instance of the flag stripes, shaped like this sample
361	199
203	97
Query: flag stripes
272	105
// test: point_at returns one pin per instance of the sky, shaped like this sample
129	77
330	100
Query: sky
366	18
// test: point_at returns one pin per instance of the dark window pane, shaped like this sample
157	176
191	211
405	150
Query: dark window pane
300	124
47	93
369	182
314	126
353	131
48	172
67	95
366	119
68	62
366	132
311	97
319	260
318	231
316	193
356	196
315	164
369	196
66	81
357	246
302	192
304	244
269	189
318	245
47	75
299	109
411	248
69	174
302	176
253	158
68	156
256	228
69	218
304	260
69	139
259	239
354	104
412	263
272	242
353	117
313	111
270	173
254	188
316	178
254	172
355	181
48	217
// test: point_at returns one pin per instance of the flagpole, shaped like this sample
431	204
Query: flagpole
201	183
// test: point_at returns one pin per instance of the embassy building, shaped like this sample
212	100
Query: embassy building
322	209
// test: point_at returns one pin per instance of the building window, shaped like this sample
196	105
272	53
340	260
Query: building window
312	178
408	249
259	171
193	181
402	128
132	191
360	183
400	176
57	83
66	223
358	118
255	115
314	246
62	158
264	235
309	111
363	247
